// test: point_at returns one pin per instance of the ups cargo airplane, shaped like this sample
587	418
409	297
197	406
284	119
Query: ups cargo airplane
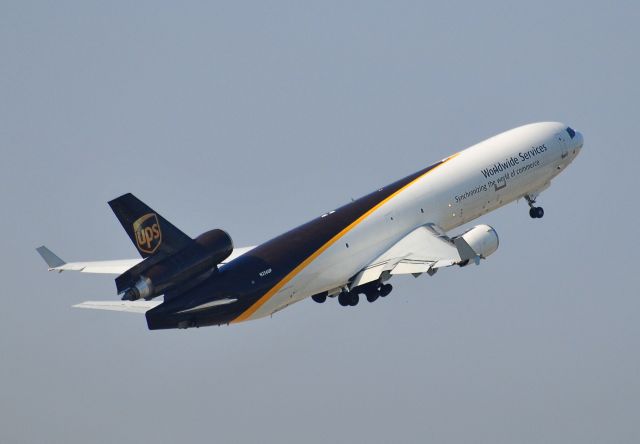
345	253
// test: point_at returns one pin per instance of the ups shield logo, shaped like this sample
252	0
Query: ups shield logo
147	232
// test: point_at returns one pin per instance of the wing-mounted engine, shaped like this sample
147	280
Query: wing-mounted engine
427	249
161	273
476	243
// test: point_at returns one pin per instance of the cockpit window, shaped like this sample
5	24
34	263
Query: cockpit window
571	132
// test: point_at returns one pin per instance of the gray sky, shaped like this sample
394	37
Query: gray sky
256	117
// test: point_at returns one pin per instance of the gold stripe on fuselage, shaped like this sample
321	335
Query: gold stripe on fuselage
264	298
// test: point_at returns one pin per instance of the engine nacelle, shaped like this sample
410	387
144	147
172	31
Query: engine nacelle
200	258
482	239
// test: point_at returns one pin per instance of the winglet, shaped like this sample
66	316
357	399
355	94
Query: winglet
50	258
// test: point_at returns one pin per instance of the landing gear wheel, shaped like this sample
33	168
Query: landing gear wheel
319	298
536	212
343	299
354	299
373	296
385	290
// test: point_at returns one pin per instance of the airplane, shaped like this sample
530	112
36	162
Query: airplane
345	253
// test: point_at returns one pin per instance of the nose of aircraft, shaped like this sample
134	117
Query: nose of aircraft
578	141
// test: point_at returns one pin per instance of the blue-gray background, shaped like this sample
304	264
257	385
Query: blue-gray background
255	117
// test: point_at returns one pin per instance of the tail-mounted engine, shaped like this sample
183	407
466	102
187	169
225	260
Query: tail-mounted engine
160	273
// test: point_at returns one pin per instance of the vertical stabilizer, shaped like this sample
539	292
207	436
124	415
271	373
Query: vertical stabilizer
149	231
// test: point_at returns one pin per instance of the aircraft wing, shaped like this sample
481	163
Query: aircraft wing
108	267
423	250
118	266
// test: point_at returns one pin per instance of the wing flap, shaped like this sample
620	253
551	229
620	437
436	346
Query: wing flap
411	267
423	250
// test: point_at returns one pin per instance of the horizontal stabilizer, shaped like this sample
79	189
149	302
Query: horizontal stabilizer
54	262
117	266
126	306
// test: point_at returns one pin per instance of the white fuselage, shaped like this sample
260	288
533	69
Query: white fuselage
516	163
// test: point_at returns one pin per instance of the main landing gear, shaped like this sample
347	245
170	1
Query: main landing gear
320	297
534	212
348	298
372	291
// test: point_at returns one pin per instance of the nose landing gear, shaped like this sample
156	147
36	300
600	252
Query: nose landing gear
534	212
